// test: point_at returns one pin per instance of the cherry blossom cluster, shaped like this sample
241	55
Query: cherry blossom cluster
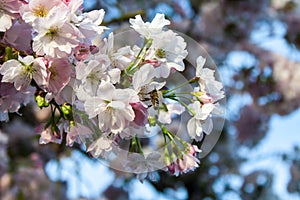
102	97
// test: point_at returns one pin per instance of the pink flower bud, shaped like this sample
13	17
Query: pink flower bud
153	62
206	98
172	168
141	113
82	52
187	163
66	1
45	61
94	49
56	132
193	150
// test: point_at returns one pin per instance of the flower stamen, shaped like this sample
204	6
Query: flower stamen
40	11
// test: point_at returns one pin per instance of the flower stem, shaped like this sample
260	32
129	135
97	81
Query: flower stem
135	145
179	86
141	55
187	107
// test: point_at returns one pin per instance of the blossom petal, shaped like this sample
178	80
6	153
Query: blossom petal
194	128
207	126
93	106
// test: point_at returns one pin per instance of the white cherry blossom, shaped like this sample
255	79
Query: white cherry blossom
93	72
207	80
36	9
200	121
9	10
120	58
112	107
22	71
169	50
149	30
165	116
101	147
56	37
88	23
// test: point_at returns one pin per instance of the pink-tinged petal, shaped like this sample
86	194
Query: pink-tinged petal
47	135
41	75
37	9
9	12
78	133
10	69
63	38
21	82
19	36
65	95
82	52
140	112
60	72
11	99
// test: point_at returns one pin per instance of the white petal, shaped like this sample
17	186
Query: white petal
176	108
159	21
117	104
162	71
143	76
93	106
173	65
5	21
26	60
206	110
106	90
194	128
21	82
114	75
200	63
207	126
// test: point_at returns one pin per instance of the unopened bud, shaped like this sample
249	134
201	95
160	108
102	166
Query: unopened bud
67	110
56	132
194	80
202	97
41	101
205	98
94	49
